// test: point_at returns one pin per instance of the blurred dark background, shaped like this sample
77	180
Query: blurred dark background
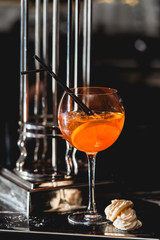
126	56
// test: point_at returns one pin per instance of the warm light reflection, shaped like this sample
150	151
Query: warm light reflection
107	1
129	2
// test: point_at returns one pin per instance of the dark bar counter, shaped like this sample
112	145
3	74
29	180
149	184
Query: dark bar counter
54	225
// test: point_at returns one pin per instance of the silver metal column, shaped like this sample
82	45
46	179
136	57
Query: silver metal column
38	130
69	45
87	32
23	81
55	67
38	135
38	174
38	53
76	44
72	153
45	57
23	61
69	80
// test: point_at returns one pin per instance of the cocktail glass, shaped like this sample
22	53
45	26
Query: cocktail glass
91	134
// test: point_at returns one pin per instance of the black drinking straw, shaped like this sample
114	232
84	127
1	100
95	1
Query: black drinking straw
32	71
65	88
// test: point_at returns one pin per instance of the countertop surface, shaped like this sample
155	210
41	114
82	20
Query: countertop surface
54	225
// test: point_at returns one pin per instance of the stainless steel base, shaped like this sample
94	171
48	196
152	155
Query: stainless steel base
27	197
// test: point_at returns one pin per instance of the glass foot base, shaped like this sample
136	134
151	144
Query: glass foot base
82	219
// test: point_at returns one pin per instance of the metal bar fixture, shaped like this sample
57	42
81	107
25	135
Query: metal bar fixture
38	123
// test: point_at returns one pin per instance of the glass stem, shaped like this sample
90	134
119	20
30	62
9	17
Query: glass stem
91	211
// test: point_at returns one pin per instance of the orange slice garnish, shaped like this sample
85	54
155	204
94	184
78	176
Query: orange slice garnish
94	136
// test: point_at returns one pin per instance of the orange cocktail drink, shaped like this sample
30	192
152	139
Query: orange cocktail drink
91	133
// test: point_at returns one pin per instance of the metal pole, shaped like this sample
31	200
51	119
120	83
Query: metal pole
37	65
37	52
69	44
23	62
87	32
84	59
76	46
45	31
45	58
69	75
55	39
55	65
23	80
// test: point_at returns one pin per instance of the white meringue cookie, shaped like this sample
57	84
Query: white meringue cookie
127	220
116	207
122	215
128	214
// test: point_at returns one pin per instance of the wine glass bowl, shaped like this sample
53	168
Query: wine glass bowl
91	133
